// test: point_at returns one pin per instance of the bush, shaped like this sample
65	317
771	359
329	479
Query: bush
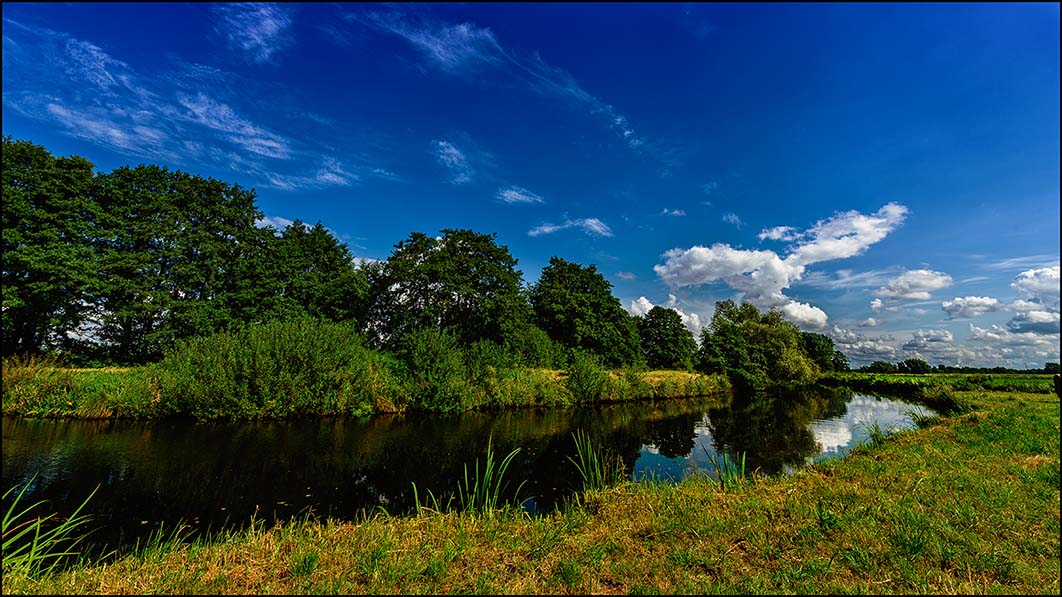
274	370
436	371
587	378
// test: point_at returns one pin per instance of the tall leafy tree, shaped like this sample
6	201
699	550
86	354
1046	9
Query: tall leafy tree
462	281
49	267
666	343
317	275
575	306
172	254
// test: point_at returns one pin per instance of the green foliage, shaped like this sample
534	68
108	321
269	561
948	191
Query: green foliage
274	370
754	349
436	370
575	306
482	491
666	343
48	275
587	378
462	281
916	366
879	367
316	275
34	545
596	468
818	348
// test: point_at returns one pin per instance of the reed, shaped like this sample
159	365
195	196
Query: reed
728	472
482	491
30	547
596	469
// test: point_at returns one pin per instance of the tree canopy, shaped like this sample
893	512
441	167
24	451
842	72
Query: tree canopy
755	349
575	306
666	343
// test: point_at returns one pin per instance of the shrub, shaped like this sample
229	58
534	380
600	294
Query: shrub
435	369
587	378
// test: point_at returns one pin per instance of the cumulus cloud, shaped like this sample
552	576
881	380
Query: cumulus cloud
1041	284
876	305
672	212
804	315
971	306
1037	322
930	341
860	347
762	275
916	284
591	226
518	195
869	322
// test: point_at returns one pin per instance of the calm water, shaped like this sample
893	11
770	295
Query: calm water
217	474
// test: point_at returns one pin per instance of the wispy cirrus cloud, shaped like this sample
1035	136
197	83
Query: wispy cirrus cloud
454	160
257	30
515	194
591	226
190	115
673	212
466	50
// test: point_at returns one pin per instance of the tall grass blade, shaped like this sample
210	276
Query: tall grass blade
28	548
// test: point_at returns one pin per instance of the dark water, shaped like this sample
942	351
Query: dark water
221	474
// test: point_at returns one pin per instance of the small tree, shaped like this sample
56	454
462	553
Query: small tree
913	366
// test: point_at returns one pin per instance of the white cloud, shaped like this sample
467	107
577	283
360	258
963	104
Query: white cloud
258	29
1037	322
1024	262
591	226
640	307
786	233
1041	284
804	315
672	212
220	117
917	284
626	275
763	275
518	195
709	187
465	49
971	306
869	322
732	218
876	305
454	49
863	348
275	221
447	154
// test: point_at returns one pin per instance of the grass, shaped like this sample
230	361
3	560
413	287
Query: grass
35	545
39	387
967	504
597	470
728	473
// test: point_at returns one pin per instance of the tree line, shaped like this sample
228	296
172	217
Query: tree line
117	267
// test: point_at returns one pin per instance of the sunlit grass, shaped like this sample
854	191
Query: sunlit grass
34	544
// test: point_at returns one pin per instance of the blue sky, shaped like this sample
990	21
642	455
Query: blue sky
885	174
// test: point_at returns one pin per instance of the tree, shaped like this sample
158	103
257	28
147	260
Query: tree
316	275
913	366
839	361
666	343
575	306
754	349
173	248
879	367
49	267
461	280
819	349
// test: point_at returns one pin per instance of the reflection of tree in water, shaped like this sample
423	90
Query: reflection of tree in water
774	430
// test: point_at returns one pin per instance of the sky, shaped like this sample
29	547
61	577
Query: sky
885	174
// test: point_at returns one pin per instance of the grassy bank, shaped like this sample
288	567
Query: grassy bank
38	388
967	504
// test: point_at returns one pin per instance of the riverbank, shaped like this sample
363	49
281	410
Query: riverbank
967	504
40	389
